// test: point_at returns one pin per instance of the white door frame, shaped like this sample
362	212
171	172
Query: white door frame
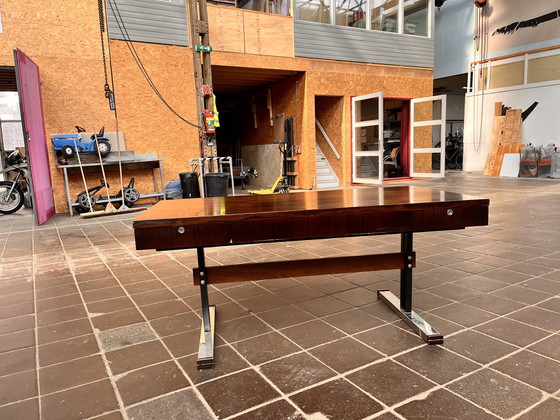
367	153
420	150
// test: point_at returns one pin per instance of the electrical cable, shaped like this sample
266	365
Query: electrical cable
124	32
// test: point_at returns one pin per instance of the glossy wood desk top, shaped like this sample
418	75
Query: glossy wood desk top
201	222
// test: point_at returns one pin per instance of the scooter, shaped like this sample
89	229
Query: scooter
17	192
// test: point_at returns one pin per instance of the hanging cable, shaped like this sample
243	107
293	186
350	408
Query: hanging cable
124	32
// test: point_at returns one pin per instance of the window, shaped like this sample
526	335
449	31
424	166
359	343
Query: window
11	133
385	15
351	13
416	17
543	69
504	75
397	16
314	10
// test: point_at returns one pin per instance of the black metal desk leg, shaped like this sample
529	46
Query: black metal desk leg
206	346
403	307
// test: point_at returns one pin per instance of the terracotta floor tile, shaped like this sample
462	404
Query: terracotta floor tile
57	316
299	293
261	303
174	324
114	415
522	294
17	340
425	301
463	314
512	331
478	347
41	284
117	319
126	336
454	291
110	305
62	351
28	410
542	318
87	285
184	404
226	361
494	304
244	390
345	354
312	333
337	399
58	302
144	286
265	348
389	339
286	316
153	296
277	410
380	310
497	393
443	404
136	356
482	283
78	403
17	361
547	410
18	386
185	343
324	306
353	321
10	311
53	292
437	363
243	291
71	374
103	294
17	324
295	372
549	347
532	369
16	298
162	309
149	382
358	296
241	328
389	382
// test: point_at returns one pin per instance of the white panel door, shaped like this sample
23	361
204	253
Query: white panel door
367	138
427	137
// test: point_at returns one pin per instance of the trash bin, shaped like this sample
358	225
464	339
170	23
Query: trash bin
216	184
189	184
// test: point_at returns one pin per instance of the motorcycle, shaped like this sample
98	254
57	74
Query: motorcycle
16	192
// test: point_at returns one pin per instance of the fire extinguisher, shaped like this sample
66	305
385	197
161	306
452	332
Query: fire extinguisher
209	121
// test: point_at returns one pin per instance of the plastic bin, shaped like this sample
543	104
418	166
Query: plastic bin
216	184
189	184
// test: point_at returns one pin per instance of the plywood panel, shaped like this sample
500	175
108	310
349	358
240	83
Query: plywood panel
226	29
269	34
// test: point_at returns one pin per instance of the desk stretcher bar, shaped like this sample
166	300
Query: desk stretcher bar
225	221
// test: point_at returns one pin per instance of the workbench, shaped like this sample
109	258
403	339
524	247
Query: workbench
226	221
128	164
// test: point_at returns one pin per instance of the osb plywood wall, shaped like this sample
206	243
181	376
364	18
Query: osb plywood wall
63	40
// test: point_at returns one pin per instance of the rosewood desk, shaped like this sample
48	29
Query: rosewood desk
224	221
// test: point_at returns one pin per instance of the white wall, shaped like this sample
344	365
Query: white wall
540	128
453	38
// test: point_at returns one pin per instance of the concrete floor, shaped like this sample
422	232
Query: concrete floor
91	328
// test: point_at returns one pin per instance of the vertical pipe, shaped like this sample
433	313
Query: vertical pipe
203	289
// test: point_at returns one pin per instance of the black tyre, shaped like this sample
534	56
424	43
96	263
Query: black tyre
131	196
10	202
67	151
84	203
104	147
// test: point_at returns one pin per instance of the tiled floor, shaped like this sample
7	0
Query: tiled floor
90	328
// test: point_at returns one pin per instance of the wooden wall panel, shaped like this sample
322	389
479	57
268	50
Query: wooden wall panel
269	34
226	29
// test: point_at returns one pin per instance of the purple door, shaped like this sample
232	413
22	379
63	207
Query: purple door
29	88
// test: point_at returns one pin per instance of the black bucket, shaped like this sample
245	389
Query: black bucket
189	184
216	184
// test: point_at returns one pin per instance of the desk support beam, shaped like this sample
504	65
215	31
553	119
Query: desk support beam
403	307
206	346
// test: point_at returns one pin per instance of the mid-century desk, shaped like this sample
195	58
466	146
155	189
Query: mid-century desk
225	221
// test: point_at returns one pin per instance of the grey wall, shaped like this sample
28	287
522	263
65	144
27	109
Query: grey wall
149	21
318	40
453	38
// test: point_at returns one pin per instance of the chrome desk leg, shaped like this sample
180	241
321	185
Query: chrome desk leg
206	346
403	307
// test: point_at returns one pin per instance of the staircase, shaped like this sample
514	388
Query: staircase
326	178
